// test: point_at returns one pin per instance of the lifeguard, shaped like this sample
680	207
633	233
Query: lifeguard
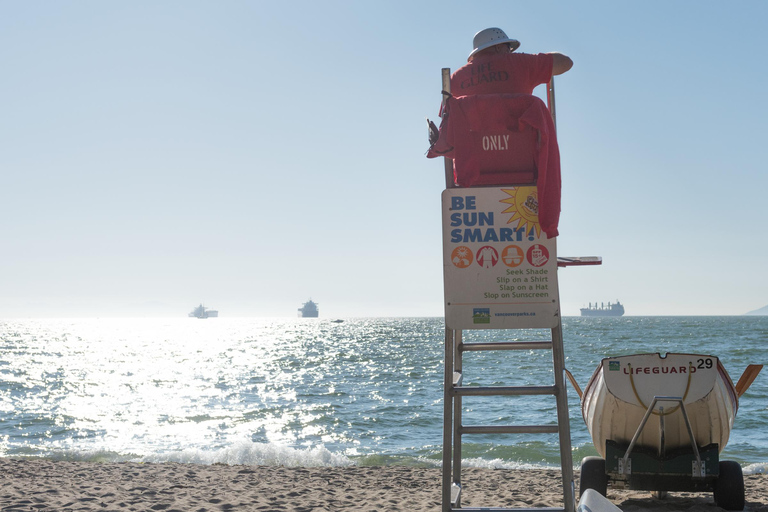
495	130
493	67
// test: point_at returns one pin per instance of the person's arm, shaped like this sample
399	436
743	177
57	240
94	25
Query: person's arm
560	63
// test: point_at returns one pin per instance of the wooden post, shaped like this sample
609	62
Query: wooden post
449	350
447	161
551	100
447	420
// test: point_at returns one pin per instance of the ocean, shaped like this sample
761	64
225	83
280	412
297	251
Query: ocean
313	392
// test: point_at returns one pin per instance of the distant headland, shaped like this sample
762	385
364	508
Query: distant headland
761	311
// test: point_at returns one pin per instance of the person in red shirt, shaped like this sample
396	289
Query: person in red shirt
494	87
494	68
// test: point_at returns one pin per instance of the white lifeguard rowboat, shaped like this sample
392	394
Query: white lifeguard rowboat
660	422
622	388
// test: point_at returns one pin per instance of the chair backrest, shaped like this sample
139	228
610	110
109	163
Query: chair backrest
496	138
507	158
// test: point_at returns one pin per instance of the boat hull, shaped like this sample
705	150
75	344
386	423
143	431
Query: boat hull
601	312
622	388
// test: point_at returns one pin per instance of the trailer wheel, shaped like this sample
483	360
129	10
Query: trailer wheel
593	475
729	486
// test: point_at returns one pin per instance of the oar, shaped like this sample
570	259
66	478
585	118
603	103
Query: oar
574	383
747	378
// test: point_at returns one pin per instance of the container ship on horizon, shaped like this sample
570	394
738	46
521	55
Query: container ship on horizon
604	310
309	310
203	312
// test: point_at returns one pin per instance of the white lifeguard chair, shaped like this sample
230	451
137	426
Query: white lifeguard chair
500	272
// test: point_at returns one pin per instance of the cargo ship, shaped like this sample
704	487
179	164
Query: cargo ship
309	310
203	312
603	310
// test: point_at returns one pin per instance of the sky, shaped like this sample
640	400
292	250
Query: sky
251	155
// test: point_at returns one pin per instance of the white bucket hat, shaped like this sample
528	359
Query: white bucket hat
491	37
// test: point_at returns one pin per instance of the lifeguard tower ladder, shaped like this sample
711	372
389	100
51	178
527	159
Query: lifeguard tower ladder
467	306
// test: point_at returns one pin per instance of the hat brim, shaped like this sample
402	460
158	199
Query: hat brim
514	43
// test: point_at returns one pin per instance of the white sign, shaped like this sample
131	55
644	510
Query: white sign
499	268
636	379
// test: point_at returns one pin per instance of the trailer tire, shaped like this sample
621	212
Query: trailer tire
593	475
729	486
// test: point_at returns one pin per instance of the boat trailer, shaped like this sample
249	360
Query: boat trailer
690	468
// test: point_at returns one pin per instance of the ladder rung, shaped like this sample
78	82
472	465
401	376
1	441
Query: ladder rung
503	390
510	429
506	345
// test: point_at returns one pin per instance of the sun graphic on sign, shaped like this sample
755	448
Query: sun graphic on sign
524	208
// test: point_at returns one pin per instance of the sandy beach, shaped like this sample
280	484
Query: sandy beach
38	484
